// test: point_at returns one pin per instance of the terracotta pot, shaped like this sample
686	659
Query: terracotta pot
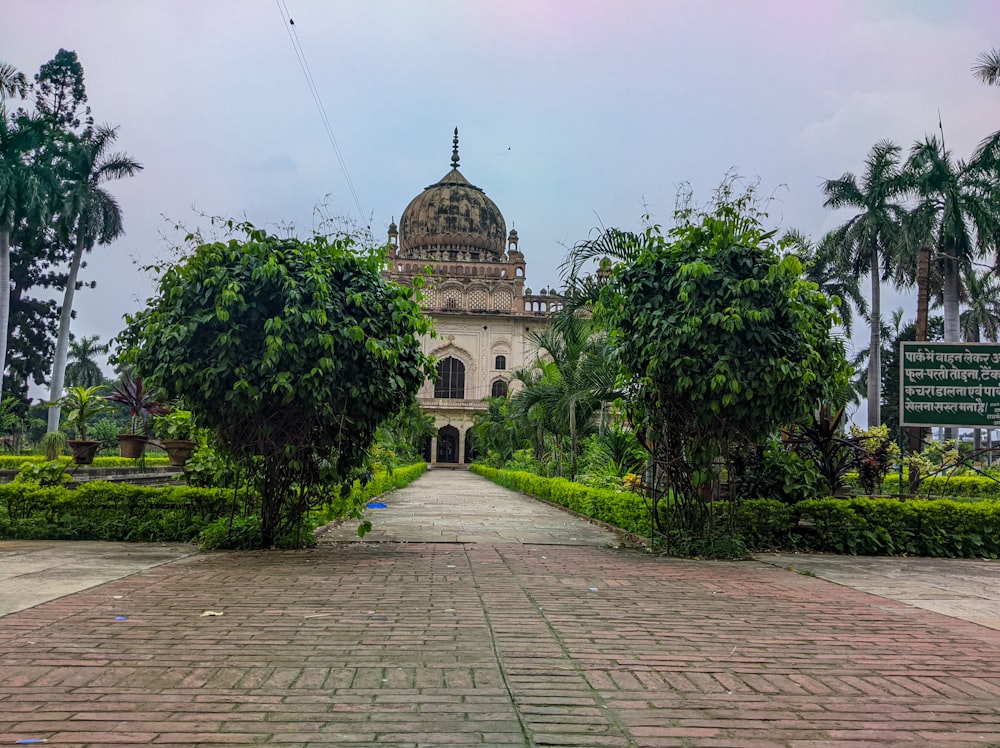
178	450
132	446
83	451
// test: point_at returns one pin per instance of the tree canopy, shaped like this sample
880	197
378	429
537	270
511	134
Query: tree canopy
724	339
292	351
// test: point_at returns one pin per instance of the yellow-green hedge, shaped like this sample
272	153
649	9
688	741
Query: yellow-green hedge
976	487
629	511
14	462
919	527
862	525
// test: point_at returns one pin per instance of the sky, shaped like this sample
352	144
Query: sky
571	115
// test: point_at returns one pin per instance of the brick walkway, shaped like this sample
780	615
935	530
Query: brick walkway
505	644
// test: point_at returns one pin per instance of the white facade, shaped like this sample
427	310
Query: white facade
454	236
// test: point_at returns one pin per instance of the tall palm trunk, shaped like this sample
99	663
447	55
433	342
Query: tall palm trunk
923	292
923	312
62	341
875	349
950	292
4	300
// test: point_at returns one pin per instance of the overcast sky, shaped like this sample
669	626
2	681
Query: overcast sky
570	114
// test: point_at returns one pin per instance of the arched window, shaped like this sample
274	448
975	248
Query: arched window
499	389
501	363
450	381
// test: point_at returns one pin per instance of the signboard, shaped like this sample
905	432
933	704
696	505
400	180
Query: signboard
949	384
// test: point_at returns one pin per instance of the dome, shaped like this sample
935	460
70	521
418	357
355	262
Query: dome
450	218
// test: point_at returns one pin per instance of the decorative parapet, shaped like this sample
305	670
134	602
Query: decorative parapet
543	303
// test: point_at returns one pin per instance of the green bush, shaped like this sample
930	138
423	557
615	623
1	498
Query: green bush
871	526
237	534
862	525
765	524
53	444
626	510
352	503
243	532
51	473
975	487
776	472
99	510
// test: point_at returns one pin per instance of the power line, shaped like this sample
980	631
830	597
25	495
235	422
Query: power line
311	82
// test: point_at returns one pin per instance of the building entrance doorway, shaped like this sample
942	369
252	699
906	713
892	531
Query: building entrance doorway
447	445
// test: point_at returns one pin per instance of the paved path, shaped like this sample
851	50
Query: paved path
961	588
456	506
33	572
491	644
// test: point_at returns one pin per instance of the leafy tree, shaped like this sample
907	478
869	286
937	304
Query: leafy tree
33	320
89	215
60	91
871	239
724	342
292	351
32	148
82	370
20	192
981	318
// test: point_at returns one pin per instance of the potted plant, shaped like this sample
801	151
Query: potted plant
80	405
141	402
175	430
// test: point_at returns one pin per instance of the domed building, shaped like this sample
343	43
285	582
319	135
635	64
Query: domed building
455	236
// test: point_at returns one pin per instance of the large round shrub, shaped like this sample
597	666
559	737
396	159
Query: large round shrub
291	351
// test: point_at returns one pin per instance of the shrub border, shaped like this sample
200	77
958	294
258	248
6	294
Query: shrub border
855	526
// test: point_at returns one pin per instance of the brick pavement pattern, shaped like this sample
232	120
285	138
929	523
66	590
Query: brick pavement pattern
503	644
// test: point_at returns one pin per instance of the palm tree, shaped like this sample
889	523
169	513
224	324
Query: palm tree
566	386
961	203
82	370
987	67
89	215
497	434
871	239
12	83
981	319
830	270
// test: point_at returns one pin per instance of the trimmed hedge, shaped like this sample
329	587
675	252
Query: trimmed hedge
99	510
958	487
382	482
865	526
629	511
14	462
920	527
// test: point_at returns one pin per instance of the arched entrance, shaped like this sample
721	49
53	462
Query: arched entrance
447	445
